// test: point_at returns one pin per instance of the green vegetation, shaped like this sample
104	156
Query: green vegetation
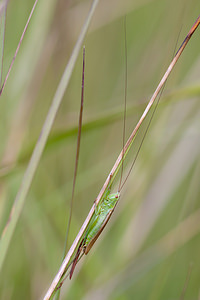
153	238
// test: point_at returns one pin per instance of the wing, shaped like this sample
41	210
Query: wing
93	240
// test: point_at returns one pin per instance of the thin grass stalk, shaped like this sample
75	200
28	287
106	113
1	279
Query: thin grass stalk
3	9
18	46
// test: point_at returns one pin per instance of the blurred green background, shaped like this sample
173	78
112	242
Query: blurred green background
152	241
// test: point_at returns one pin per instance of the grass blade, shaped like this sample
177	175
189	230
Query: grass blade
19	44
3	8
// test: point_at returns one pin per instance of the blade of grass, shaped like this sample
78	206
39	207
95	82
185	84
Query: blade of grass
118	162
3	8
38	150
18	46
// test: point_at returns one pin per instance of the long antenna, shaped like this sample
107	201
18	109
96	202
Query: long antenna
125	101
149	123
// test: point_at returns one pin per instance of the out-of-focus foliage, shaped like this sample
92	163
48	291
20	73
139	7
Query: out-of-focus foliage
153	237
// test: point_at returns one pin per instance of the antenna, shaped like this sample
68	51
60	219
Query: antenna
147	128
125	101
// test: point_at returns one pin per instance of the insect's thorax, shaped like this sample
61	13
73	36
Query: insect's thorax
110	201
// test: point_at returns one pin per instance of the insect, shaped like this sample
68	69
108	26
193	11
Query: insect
98	222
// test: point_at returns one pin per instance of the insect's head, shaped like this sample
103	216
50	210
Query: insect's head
111	200
114	197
